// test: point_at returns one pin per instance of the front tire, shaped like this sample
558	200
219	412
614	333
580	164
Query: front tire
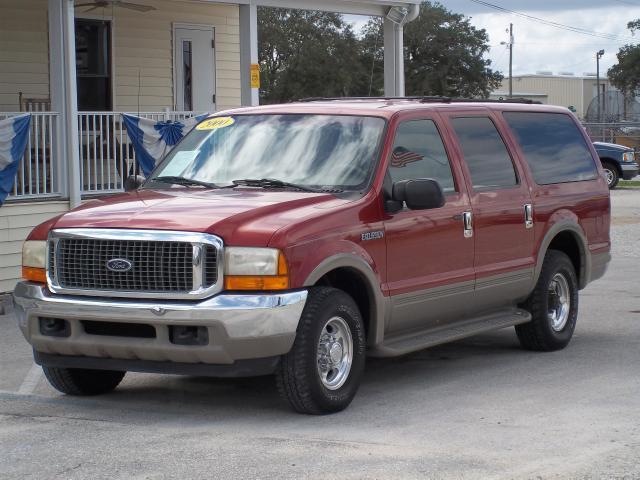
322	372
553	305
611	174
82	382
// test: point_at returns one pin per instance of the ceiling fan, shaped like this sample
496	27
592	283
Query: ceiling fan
115	3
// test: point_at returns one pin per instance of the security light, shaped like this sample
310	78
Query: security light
397	15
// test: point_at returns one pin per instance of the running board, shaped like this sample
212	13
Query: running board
411	342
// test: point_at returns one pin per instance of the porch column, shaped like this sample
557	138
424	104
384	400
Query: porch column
393	59
248	52
62	76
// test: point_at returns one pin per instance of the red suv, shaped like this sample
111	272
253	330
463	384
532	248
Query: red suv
298	239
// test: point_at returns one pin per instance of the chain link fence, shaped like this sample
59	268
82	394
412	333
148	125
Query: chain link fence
622	133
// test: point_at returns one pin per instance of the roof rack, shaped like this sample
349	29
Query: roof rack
423	99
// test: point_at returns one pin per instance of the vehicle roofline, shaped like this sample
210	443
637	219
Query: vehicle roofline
385	108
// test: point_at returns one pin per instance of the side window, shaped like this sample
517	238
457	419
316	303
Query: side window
485	153
418	152
553	147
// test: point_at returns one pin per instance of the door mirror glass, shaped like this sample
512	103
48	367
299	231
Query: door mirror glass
419	193
133	182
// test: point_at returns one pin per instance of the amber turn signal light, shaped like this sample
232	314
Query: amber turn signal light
249	282
260	282
33	274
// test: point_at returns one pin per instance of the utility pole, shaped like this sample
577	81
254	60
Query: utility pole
511	60
509	45
599	55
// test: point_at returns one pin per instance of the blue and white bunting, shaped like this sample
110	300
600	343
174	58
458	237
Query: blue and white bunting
14	134
153	139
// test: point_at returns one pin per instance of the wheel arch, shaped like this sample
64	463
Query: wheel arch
613	162
354	276
569	238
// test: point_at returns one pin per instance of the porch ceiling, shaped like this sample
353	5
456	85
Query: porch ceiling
358	7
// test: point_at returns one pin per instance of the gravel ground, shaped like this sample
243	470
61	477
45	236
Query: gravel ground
478	408
625	205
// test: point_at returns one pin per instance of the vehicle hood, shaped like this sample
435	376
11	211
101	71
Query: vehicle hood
239	216
611	146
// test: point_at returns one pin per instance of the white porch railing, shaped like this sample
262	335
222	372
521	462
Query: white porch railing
38	170
106	153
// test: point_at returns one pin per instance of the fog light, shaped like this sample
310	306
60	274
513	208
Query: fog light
188	335
54	327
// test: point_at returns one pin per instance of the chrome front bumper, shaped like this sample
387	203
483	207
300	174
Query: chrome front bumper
239	326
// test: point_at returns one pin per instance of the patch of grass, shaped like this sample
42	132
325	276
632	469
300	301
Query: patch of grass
631	184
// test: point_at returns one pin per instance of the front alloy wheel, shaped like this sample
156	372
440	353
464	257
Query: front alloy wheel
335	353
321	374
611	175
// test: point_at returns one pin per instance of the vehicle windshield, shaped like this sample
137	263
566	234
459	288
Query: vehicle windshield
325	152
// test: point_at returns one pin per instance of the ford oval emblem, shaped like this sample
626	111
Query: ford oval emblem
119	265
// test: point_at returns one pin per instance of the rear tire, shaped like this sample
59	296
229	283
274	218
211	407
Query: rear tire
553	305
611	174
322	372
80	381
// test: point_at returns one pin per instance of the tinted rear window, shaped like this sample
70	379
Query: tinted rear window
553	147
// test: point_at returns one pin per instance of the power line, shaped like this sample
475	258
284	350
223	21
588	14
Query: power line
550	23
626	2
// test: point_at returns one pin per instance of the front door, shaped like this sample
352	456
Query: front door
430	275
194	68
500	200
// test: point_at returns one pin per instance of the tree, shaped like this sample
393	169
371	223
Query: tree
625	75
307	54
310	54
444	55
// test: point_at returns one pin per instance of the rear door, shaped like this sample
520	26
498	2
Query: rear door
502	212
430	273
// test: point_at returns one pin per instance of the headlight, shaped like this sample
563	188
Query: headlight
34	256
628	157
248	268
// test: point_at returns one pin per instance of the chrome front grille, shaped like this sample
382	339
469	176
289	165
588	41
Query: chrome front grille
151	263
156	266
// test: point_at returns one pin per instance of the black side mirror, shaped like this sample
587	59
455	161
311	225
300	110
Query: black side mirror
419	193
132	182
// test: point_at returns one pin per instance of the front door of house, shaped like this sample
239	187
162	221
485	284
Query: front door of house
194	68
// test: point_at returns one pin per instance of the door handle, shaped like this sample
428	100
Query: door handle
528	215
467	220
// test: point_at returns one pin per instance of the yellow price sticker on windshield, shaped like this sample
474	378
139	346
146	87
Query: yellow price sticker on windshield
215	123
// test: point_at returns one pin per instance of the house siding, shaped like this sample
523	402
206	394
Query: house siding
142	52
24	58
16	222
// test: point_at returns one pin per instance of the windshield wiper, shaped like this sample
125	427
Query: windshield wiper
272	183
184	181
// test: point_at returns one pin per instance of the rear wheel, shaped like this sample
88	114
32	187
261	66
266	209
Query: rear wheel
553	306
80	381
322	372
611	174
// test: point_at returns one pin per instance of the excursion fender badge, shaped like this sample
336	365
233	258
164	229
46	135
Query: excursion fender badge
372	235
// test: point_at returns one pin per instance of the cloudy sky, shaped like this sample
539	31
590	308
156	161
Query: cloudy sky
541	47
